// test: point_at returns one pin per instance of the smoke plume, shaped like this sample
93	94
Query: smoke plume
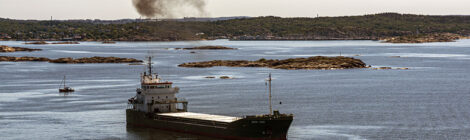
170	8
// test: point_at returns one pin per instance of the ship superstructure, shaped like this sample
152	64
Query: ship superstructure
156	95
156	106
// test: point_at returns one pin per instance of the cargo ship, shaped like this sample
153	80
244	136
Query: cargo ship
155	105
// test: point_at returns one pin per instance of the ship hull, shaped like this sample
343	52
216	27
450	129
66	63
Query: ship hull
249	128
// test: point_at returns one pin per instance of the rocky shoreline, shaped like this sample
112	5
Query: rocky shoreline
69	60
428	38
37	43
96	59
16	49
45	43
24	58
422	38
207	48
66	42
108	42
317	62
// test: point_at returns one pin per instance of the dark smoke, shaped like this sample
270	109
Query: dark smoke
169	8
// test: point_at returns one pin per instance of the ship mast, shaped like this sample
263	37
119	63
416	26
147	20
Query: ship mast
64	81
150	65
270	105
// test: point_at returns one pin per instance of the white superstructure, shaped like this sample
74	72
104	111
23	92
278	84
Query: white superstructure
158	97
155	95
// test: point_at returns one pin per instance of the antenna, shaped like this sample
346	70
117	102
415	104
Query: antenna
64	81
150	65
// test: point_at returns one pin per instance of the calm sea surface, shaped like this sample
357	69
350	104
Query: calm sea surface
431	100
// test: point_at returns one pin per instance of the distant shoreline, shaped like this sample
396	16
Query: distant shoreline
464	38
366	27
332	39
425	38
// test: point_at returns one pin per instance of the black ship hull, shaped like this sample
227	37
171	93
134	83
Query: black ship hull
249	128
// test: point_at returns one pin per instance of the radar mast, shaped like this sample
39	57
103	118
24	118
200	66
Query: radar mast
150	64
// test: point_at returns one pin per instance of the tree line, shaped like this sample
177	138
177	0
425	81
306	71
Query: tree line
367	26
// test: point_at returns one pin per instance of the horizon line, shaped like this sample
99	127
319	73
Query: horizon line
181	18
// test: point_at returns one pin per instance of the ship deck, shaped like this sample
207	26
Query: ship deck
200	116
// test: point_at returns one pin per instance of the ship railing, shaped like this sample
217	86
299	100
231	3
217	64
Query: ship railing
270	116
131	106
167	102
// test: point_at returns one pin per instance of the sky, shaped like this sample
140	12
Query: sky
120	9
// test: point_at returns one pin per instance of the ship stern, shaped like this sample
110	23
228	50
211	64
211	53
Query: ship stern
272	127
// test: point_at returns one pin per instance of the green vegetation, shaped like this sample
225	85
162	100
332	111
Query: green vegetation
350	27
423	38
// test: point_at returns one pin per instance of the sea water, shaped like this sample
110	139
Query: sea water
430	100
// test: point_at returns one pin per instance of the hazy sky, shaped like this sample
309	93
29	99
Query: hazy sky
118	9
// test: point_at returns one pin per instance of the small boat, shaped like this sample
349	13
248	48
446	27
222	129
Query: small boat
65	88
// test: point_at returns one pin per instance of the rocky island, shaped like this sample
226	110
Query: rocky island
108	42
95	59
317	62
37	43
24	58
16	49
207	48
66	42
425	38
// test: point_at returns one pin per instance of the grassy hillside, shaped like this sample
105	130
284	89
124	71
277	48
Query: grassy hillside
349	27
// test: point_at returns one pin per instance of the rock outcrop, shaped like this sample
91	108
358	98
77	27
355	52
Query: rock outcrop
37	43
108	42
16	49
318	62
95	59
225	77
24	58
66	42
427	38
208	48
